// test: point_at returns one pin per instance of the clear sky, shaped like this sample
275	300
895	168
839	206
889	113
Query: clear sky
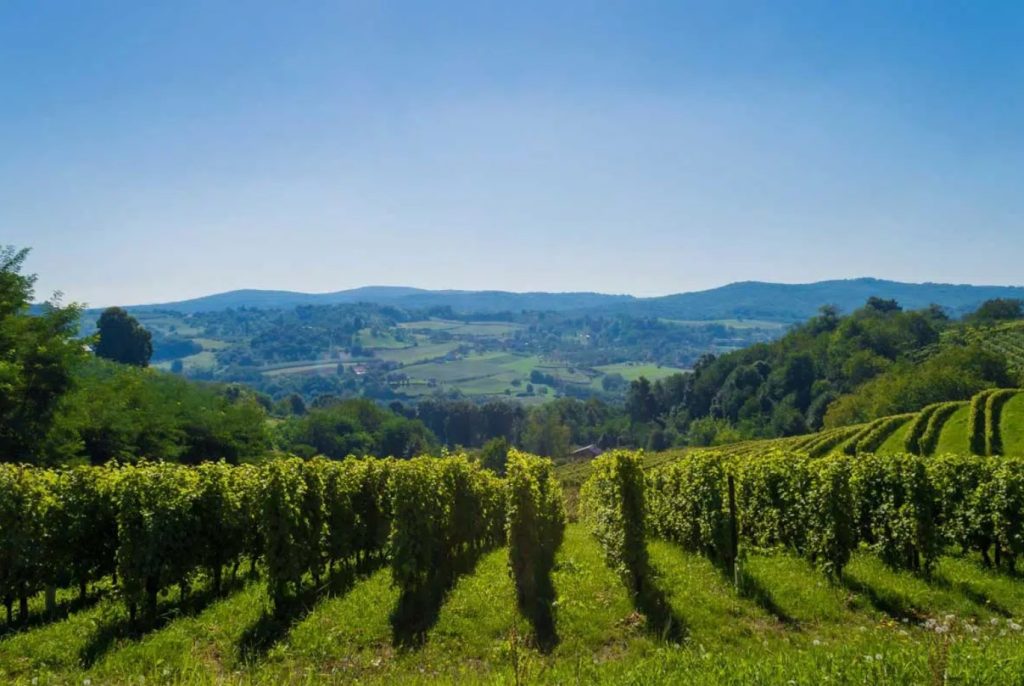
153	151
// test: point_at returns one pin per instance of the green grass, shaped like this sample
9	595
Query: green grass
416	354
632	371
895	442
788	625
1011	425
953	438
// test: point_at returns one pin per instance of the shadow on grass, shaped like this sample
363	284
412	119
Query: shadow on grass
61	611
418	610
121	627
652	602
975	595
273	626
541	614
892	604
751	588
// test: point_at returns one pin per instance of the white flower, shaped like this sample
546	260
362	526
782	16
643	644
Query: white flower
816	642
869	658
87	682
1015	626
994	621
878	656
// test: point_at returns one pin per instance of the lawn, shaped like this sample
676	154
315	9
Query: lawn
789	625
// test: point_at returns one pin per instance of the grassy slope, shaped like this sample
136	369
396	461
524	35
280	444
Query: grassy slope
894	443
953	438
797	627
1011	424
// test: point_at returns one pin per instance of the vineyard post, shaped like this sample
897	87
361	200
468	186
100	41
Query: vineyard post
733	553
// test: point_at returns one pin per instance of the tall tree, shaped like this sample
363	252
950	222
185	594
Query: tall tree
123	339
37	358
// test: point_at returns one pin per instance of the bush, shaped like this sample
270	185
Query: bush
993	413
898	508
612	501
976	422
930	438
535	526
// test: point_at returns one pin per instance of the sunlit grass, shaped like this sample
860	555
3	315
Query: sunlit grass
786	623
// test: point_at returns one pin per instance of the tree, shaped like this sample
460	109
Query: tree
546	435
640	401
996	310
37	359
122	339
494	455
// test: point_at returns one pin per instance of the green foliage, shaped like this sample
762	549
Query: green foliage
444	512
25	504
936	420
38	355
880	430
952	373
976	423
689	505
993	413
830	507
997	310
123	413
770	492
284	529
354	427
157	531
962	486
535	525
122	339
613	504
494	455
912	442
1007	504
897	510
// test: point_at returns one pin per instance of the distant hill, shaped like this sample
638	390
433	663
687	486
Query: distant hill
412	298
744	300
798	302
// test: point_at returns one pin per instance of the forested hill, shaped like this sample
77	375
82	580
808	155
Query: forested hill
406	298
776	302
878	361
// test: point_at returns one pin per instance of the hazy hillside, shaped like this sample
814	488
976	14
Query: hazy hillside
798	302
746	300
410	298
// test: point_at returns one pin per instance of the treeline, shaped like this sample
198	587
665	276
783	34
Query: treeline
905	508
831	371
152	526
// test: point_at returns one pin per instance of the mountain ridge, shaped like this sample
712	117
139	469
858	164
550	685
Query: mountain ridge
737	300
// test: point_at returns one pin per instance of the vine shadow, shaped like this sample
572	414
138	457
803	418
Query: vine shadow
750	587
122	627
61	611
273	625
417	610
891	604
973	594
652	602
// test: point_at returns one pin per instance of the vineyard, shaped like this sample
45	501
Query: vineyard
760	565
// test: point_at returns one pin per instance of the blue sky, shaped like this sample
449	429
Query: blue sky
157	151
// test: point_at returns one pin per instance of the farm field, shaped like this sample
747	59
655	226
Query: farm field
797	628
633	371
